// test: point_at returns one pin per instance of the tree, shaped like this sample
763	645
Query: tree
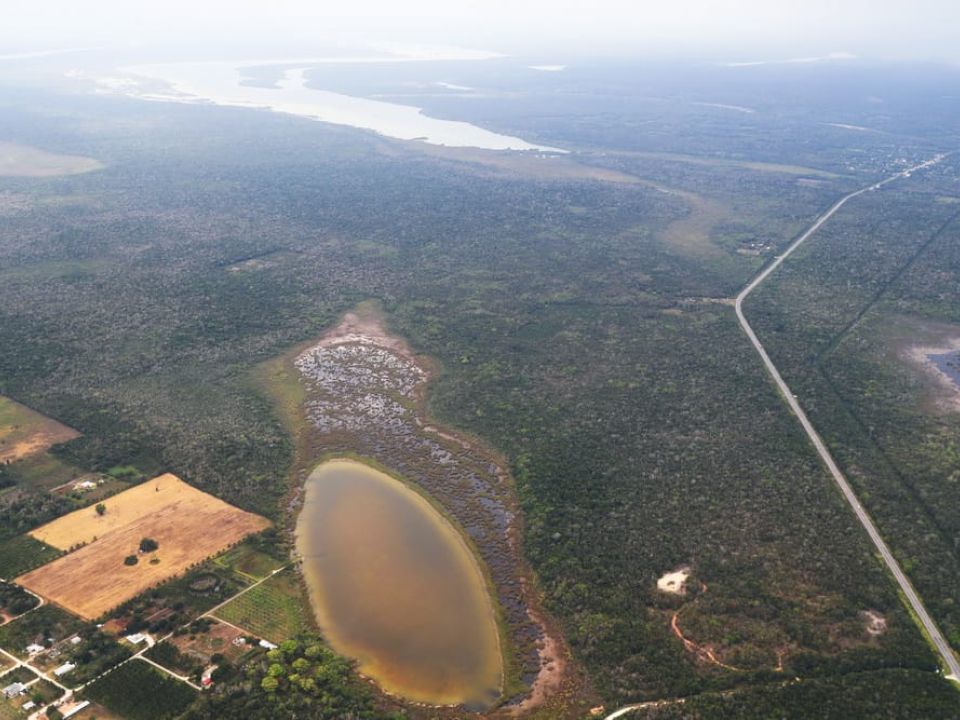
130	560
101	509
148	545
270	684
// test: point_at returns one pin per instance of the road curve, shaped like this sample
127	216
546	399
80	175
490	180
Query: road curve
943	647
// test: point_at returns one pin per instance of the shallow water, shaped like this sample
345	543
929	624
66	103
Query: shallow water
395	587
949	364
219	83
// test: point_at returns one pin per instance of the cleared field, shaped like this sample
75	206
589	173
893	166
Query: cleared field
273	610
126	509
188	524
25	161
25	432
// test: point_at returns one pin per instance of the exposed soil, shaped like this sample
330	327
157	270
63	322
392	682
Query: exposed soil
946	392
909	341
674	582
876	623
25	432
30	162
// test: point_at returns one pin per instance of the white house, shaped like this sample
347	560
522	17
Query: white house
75	709
64	669
13	690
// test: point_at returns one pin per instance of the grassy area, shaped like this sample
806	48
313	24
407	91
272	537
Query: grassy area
22	553
44	471
273	610
249	562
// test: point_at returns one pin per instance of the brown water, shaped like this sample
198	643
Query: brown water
394	586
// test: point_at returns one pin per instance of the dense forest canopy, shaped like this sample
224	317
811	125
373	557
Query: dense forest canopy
582	328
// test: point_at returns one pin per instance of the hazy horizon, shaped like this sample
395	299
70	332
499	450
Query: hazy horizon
741	31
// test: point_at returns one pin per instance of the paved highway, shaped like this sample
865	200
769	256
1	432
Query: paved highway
916	604
943	647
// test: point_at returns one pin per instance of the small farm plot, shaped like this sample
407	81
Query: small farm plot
183	525
273	610
249	562
214	639
136	691
25	432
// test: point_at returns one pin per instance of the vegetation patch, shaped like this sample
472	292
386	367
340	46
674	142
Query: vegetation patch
45	627
15	601
90	650
250	560
136	691
206	641
170	606
273	610
180	525
301	678
22	553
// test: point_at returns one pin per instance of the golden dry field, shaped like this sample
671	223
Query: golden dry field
25	432
188	524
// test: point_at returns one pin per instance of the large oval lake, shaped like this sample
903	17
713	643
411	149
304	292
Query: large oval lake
394	586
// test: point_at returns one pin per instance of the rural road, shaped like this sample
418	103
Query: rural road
916	604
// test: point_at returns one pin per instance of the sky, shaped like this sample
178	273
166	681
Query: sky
738	30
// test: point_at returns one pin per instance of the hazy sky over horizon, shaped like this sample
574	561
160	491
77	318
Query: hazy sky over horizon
731	29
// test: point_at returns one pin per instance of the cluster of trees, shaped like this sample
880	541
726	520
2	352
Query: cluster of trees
45	626
136	691
95	653
301	678
14	600
882	695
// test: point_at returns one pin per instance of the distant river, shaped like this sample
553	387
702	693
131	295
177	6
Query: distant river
394	586
219	83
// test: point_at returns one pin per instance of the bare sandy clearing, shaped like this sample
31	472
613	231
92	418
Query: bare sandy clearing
947	392
674	582
25	161
876	623
25	432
